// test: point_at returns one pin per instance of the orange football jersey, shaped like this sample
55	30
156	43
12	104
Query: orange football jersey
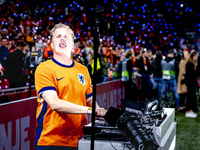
72	83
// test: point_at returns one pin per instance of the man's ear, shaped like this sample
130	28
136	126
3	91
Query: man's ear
51	44
73	45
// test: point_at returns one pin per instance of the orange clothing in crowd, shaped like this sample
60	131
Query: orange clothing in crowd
28	23
29	38
136	47
46	50
12	50
133	61
84	17
76	51
111	57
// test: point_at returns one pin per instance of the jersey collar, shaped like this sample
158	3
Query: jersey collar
62	65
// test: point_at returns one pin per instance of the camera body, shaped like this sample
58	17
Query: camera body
150	115
31	61
139	136
133	123
134	120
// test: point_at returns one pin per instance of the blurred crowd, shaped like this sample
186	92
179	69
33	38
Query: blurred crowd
146	28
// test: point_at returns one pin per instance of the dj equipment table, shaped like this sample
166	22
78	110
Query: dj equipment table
165	136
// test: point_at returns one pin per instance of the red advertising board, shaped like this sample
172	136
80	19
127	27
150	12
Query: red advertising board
109	94
17	118
17	124
8	97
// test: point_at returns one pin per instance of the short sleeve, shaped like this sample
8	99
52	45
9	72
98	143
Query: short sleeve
44	79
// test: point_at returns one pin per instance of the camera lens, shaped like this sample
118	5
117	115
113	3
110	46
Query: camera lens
134	132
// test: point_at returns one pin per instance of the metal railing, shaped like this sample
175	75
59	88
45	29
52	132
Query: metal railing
14	90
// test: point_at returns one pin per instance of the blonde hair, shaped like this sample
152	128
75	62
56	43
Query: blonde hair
190	58
61	25
128	53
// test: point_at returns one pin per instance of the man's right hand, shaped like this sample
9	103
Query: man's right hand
101	112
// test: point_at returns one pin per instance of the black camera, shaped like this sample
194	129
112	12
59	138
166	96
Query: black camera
134	118
132	129
31	61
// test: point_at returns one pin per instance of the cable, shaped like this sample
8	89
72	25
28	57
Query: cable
125	139
123	146
112	145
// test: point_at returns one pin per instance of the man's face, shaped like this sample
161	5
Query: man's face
104	50
26	48
12	42
149	54
145	54
62	42
77	60
4	42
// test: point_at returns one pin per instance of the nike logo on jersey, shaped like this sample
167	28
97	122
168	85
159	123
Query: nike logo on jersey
60	79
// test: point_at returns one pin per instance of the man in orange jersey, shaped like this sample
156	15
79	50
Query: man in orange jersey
64	95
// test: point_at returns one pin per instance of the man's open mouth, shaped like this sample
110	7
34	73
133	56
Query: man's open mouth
62	45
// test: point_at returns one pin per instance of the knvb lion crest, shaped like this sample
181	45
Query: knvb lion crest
81	78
